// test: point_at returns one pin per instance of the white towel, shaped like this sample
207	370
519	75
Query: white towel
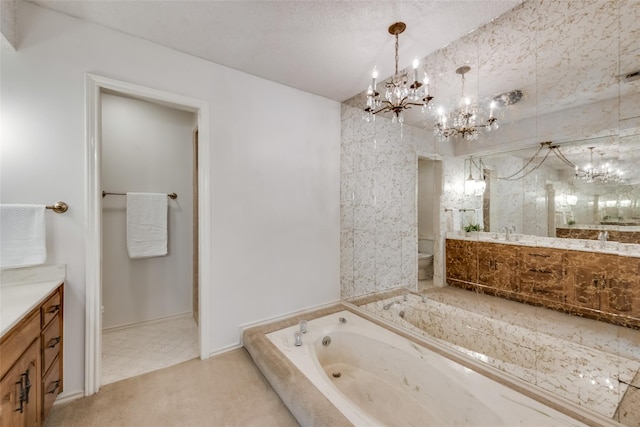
146	225
22	235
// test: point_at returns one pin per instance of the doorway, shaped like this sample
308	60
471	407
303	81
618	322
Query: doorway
97	87
429	192
147	300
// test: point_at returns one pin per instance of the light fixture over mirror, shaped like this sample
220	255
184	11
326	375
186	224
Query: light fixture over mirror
399	94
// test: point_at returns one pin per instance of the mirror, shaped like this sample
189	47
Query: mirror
539	191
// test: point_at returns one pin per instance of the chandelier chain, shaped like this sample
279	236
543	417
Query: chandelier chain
397	56
511	177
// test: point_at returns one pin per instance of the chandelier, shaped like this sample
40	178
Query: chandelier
463	120
600	172
399	94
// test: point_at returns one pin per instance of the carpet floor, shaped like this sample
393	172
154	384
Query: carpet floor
226	390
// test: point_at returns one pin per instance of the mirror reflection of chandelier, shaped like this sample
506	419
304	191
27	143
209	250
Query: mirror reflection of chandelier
601	172
399	94
462	122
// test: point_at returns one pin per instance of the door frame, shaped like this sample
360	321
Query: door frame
94	85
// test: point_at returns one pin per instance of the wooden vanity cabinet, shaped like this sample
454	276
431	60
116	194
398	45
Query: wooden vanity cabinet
587	277
51	348
621	294
31	365
20	389
596	285
542	273
497	266
461	260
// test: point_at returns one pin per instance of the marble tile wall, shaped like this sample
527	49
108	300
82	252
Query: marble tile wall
379	242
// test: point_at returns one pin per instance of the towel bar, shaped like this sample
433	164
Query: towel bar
172	196
59	207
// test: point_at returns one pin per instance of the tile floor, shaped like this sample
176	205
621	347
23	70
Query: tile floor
134	350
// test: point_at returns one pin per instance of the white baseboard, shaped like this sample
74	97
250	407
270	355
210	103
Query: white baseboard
225	349
147	322
68	396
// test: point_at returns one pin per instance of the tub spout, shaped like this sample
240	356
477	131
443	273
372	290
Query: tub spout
386	306
298	337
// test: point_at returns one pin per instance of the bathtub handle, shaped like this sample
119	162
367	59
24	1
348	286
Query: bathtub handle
298	338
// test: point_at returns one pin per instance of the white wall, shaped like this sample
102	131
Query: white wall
146	147
275	155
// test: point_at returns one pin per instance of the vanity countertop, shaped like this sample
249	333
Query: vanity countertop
23	289
609	247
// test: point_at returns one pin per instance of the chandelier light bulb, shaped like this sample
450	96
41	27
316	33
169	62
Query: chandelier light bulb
374	73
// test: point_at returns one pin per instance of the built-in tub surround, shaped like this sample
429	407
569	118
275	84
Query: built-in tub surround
593	373
377	377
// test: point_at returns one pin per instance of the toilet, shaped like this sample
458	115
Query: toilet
425	266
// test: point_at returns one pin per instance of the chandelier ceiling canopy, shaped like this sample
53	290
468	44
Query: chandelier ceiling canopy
399	94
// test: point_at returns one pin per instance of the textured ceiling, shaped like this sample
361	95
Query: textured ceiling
324	47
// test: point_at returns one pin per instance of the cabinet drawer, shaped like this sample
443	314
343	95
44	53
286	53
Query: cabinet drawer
50	308
51	342
17	340
542	258
50	387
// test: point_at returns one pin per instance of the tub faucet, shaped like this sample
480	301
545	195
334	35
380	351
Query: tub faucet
303	326
386	306
603	236
298	338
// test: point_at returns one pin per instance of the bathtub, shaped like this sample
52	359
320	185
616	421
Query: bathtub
376	377
578	373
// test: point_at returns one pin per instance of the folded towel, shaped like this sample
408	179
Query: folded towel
22	235
146	225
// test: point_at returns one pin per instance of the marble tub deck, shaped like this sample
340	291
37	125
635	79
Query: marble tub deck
576	358
311	407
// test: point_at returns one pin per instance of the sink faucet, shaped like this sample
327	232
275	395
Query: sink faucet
508	231
603	236
386	306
